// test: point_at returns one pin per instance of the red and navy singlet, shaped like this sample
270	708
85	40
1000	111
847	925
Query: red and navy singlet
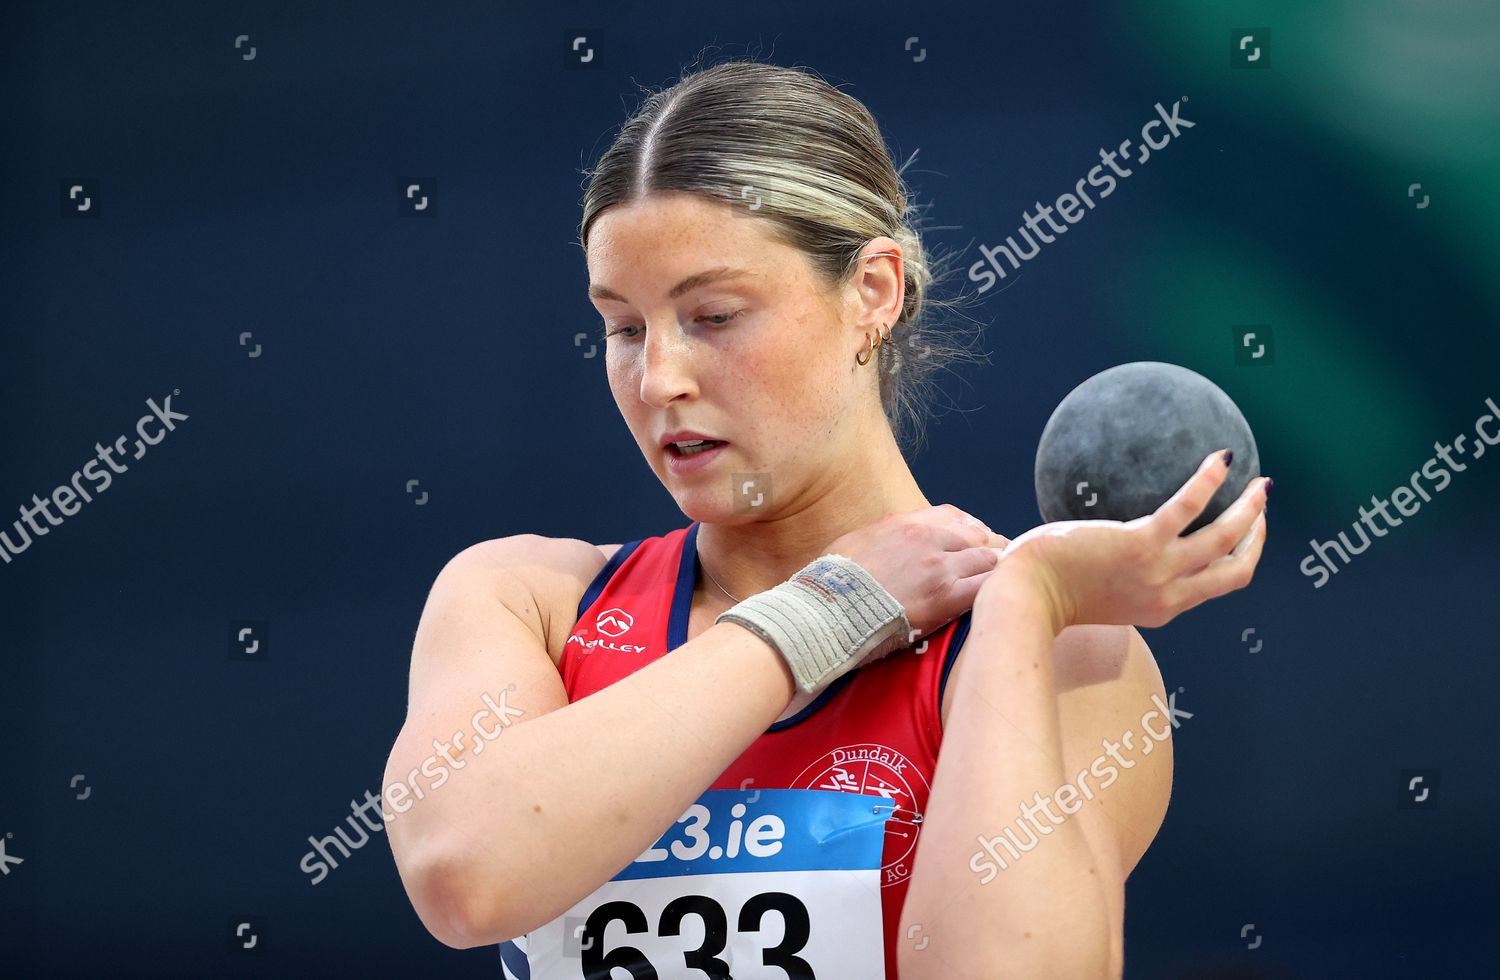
794	862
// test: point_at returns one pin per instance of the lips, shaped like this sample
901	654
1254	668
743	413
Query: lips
701	447
685	435
682	464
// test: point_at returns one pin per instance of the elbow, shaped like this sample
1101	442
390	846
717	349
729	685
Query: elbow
453	908
466	927
455	921
447	925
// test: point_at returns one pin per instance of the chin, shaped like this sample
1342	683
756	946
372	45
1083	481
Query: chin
711	507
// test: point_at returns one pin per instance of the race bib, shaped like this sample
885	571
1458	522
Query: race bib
753	885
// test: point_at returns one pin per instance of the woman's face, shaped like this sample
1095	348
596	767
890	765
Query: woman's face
757	356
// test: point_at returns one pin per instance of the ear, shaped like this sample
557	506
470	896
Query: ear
880	285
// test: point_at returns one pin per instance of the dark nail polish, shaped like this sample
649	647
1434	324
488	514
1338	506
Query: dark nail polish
1228	457
1269	481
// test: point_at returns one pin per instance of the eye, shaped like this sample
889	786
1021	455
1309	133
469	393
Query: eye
716	319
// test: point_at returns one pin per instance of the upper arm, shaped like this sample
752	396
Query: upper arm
1106	679
483	633
1117	751
484	628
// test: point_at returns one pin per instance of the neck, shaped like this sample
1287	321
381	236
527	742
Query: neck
756	554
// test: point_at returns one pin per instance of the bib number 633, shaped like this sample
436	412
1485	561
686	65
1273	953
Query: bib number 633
598	964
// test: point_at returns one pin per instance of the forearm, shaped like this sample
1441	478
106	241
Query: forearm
558	805
1040	912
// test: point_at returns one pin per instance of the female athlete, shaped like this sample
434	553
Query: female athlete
827	729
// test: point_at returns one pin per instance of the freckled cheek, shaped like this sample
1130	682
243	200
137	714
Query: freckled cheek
773	397
625	386
622	368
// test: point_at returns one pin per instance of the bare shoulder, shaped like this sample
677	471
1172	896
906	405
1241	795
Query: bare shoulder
553	572
1104	672
1097	665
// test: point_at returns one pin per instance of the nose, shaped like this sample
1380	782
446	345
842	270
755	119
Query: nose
666	365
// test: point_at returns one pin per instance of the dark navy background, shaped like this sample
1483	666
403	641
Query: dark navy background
261	196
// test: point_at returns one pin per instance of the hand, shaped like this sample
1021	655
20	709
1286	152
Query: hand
932	559
1140	572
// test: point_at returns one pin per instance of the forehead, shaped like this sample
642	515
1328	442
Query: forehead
666	233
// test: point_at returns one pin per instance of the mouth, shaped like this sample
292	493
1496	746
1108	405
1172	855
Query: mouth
693	448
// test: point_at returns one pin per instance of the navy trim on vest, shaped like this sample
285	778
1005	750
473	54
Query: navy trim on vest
815	704
591	594
682	605
514	960
682	591
960	633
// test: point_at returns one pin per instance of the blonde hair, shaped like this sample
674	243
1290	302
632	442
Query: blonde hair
809	160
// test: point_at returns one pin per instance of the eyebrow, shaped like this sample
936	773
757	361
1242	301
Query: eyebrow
687	285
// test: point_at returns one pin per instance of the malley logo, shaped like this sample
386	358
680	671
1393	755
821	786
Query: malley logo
613	622
874	769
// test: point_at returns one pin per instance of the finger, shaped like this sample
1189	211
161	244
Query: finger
948	538
948	527
966	589
1226	532
1239	549
991	539
973	561
972	532
1184	506
964	517
941	514
1248	540
1234	570
935	516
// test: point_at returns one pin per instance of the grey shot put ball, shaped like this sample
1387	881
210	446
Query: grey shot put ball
1125	440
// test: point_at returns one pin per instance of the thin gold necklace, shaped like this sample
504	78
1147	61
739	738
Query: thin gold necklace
714	580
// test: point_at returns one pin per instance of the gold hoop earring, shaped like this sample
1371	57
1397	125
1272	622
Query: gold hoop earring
863	357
